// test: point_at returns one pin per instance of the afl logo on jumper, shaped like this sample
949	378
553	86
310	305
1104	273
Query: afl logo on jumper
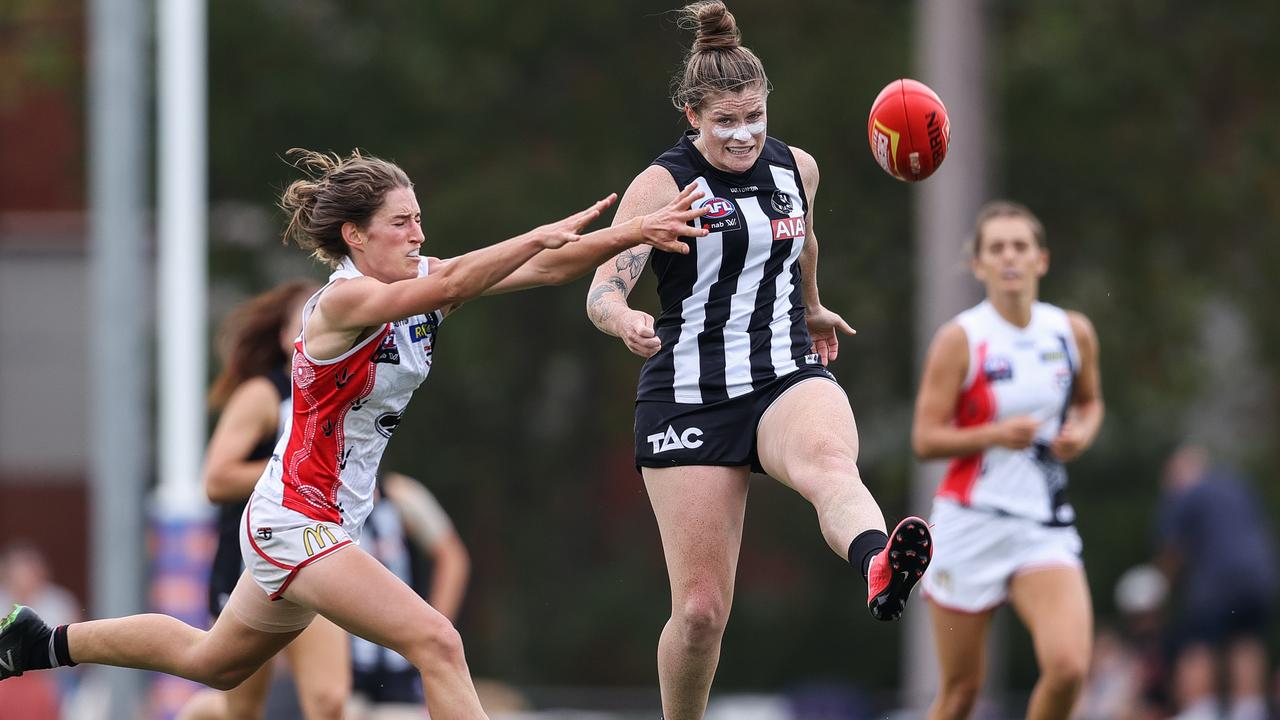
997	367
720	215
387	352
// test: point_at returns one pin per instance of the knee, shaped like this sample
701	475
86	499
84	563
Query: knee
1065	671
957	696
434	643
227	677
702	617
329	702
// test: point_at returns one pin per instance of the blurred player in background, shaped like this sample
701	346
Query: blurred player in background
735	377
1217	545
366	344
407	526
252	394
1010	391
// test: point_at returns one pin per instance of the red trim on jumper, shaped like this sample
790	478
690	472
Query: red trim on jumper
314	456
248	528
975	406
294	573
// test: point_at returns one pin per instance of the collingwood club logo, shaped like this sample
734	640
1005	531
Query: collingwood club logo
781	202
669	440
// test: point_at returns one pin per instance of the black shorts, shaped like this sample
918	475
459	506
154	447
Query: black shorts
670	434
381	687
1233	619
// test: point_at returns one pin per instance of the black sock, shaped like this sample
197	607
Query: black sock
60	650
865	547
47	649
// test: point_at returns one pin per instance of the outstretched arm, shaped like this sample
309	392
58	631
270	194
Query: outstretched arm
349	308
823	323
663	228
607	300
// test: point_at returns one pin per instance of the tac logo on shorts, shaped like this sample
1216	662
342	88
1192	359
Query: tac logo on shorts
721	216
998	367
781	202
388	351
669	440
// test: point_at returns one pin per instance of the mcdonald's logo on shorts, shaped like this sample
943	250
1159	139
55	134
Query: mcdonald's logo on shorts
314	539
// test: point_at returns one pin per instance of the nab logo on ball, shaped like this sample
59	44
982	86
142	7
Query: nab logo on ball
720	215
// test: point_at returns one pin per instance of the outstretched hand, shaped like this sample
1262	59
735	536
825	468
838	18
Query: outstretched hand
563	232
823	326
663	228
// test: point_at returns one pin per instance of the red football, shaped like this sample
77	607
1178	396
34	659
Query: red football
909	130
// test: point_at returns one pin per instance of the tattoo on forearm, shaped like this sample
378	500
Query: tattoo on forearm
632	262
597	309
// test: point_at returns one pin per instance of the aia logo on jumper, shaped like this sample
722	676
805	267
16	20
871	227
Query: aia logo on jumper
997	367
719	208
788	228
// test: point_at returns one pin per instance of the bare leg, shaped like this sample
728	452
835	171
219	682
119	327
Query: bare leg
221	658
961	641
244	702
1193	678
700	512
320	660
808	440
1247	666
360	595
1054	605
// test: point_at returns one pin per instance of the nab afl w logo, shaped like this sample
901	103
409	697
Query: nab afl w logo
720	215
781	202
719	208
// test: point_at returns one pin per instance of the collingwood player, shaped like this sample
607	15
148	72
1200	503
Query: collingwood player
735	377
366	344
1010	391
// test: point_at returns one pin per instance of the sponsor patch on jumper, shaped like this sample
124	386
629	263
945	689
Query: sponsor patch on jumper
722	215
424	332
788	228
388	351
998	367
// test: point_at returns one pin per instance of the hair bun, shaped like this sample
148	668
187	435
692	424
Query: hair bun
715	26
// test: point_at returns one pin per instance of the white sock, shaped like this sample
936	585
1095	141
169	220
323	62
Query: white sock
1248	708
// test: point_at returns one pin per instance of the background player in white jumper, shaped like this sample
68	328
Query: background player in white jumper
252	394
406	529
735	376
1011	390
365	346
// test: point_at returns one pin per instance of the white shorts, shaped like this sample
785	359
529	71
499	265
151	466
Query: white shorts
277	542
976	553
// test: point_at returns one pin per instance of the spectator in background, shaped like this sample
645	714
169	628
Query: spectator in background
1217	546
25	579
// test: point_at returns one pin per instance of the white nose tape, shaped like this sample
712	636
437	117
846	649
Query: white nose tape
741	133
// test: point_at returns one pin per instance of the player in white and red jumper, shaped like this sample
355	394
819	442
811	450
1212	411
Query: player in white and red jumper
1010	392
365	346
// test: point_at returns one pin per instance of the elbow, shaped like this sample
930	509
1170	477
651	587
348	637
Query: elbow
217	491
922	447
